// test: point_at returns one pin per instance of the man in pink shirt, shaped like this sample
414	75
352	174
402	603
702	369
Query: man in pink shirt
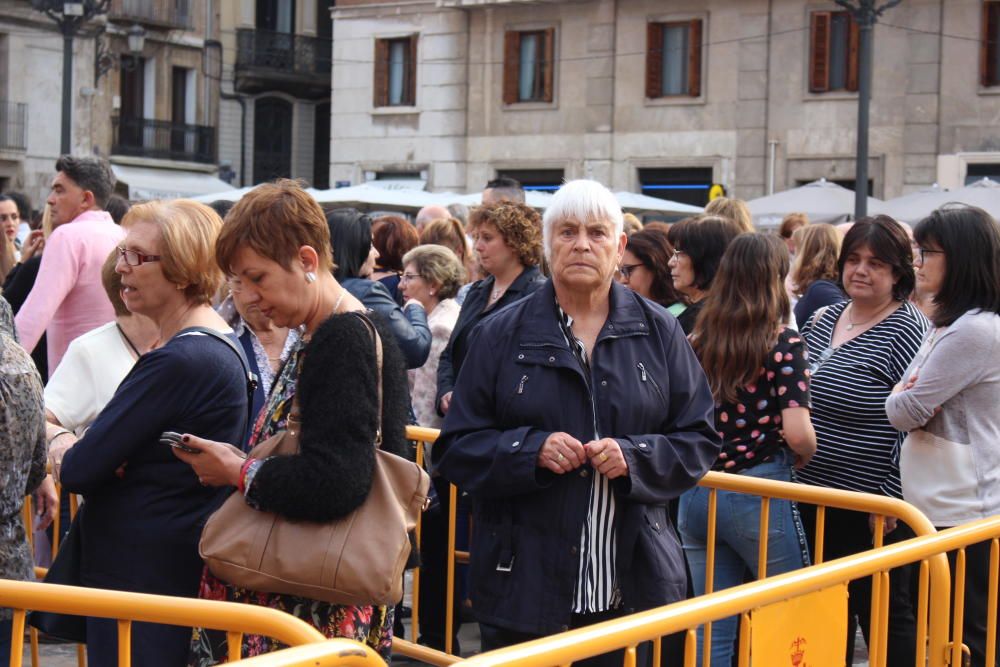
68	298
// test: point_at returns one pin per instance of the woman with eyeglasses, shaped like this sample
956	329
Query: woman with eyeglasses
699	244
432	275
645	268
757	369
950	461
859	350
144	509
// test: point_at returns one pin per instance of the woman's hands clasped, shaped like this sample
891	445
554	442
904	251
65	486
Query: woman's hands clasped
215	463
562	453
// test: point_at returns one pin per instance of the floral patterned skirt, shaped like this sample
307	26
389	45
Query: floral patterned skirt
369	625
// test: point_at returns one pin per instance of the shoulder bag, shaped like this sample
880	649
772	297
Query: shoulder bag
357	559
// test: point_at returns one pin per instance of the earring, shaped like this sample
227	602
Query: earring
310	277
432	292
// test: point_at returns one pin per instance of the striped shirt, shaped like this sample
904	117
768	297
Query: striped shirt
595	588
857	447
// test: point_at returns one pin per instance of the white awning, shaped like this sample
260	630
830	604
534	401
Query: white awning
151	183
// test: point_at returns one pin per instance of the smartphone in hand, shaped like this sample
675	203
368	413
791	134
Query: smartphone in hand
174	440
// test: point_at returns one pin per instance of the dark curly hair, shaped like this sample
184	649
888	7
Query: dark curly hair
518	224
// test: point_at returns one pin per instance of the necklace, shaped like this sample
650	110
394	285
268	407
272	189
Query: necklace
851	323
336	304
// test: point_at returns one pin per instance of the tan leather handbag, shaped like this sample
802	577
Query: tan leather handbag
355	560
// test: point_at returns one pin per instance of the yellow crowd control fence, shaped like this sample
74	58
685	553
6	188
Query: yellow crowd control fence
233	618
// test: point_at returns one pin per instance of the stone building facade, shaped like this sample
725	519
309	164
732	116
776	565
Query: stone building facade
763	93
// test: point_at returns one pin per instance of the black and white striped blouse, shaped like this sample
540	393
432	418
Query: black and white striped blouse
858	449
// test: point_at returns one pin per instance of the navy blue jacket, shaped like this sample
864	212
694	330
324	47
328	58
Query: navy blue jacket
472	313
409	327
520	383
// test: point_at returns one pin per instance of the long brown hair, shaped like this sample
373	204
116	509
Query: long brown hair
816	249
743	311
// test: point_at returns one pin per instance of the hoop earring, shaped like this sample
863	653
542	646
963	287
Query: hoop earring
310	277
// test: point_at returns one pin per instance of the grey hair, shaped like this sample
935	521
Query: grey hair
582	200
90	173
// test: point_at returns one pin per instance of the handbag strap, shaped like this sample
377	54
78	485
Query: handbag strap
295	417
252	381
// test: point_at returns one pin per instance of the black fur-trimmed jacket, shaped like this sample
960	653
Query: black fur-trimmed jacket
332	474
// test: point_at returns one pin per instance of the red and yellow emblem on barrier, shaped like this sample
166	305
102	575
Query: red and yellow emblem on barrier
808	631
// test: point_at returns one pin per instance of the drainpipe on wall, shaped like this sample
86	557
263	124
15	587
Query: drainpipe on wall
772	146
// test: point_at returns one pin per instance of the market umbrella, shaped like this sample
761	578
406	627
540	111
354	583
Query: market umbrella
821	200
631	201
916	206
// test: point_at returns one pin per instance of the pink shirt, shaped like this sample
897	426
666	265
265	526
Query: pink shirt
68	298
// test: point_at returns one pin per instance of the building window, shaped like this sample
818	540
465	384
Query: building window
990	49
977	172
396	72
833	58
528	65
546	180
680	184
673	59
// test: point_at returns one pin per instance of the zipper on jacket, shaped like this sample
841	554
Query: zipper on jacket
642	370
520	387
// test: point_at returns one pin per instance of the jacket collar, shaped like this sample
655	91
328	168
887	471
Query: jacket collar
626	317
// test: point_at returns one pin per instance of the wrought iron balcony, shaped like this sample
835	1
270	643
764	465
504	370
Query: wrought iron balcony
294	64
154	13
163	139
13	126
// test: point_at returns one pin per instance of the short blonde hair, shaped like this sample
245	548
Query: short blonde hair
632	224
438	265
188	230
734	209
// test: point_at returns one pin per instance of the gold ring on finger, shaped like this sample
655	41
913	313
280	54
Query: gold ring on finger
560	457
603	457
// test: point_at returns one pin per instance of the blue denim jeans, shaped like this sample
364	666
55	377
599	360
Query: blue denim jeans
737	540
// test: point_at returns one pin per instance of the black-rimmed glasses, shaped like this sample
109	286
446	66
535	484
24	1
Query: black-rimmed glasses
136	258
627	269
921	252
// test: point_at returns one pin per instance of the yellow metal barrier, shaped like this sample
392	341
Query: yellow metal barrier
233	618
630	631
330	653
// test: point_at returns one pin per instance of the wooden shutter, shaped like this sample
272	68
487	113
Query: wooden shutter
654	60
988	75
819	57
853	50
549	66
411	73
694	58
380	81
511	65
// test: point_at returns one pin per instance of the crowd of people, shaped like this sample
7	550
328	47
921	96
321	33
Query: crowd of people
586	371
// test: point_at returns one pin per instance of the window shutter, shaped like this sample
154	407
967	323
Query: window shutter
380	82
694	58
411	73
988	74
548	71
654	60
819	61
511	63
853	49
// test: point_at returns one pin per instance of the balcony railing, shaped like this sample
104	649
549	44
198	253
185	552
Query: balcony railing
163	139
159	13
13	126
277	60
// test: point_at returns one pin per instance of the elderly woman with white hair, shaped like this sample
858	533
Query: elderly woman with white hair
571	483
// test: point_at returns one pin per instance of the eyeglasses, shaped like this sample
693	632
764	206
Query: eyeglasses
627	269
921	252
136	258
677	254
407	277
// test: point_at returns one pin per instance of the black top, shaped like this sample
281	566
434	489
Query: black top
690	316
750	428
16	289
820	293
474	310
